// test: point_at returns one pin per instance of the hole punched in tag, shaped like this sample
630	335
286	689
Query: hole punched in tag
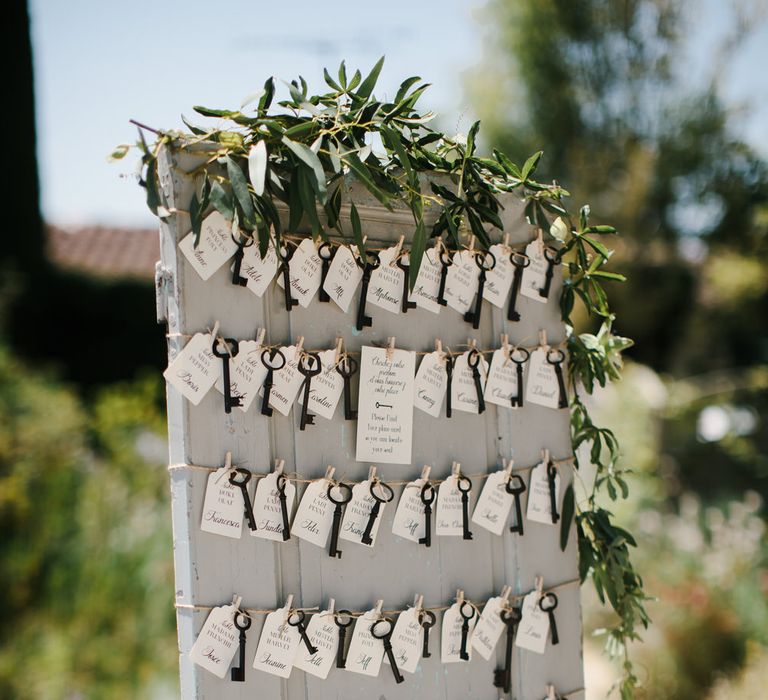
268	360
343	620
242	622
382	630
520	261
368	267
231	347
345	497
326	253
485	265
347	367
285	253
388	495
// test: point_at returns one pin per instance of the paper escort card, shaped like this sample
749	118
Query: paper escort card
449	520
326	388
535	275
385	289
462	281
450	646
277	645
286	382
427	285
489	628
409	521
539	499
502	380
365	651
246	374
343	278
314	517
534	627
357	512
195	369
223	508
541	385
257	270
323	634
266	507
407	637
218	641
385	406
463	390
305	271
493	506
499	280
216	245
430	384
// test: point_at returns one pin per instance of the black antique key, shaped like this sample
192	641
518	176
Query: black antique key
464	484
503	678
285	252
238	672
551	475
549	608
389	494
482	261
449	361
427	619
384	633
551	256
282	482
231	348
240	478
464	652
237	278
520	262
325	253
517	400
346	497
445	261
557	363
341	650
271	353
309	365
373	262
474	364
427	498
296	619
517	490
346	368
405	267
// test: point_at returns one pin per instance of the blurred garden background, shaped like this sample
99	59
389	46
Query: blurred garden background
653	111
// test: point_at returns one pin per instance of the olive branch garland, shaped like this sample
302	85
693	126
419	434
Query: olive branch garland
301	155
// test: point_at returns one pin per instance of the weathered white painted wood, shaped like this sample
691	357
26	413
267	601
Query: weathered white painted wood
209	569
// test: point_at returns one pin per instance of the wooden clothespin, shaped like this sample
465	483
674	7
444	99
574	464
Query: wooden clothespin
459	596
227	467
551	695
279	464
540	241
508	465
300	345
472	244
425	470
505	241
329	470
339	348
398	248
331	605
472	342
371	473
379	606
545	455
390	348
289	602
418	601
505	348
543	339
260	335
215	331
505	591
439	347
236	600
539	582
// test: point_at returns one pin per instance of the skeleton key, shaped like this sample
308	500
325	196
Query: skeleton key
503	678
389	494
516	491
346	368
364	321
544	291
558	365
237	278
271	353
240	478
285	252
312	369
238	672
296	619
324	247
463	653
449	372
282	481
427	500
231	348
481	260
445	261
405	304
385	635
550	610
551	474
427	620
517	401
341	650
520	262
474	364
464	484
346	497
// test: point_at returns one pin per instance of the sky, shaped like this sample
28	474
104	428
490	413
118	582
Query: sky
98	64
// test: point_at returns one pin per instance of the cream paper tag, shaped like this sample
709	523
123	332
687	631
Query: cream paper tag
323	633
462	281
539	502
385	406
257	270
499	280
427	285
365	651
215	248
343	278
305	270
385	289
492	509
534	627
407	637
314	516
463	392
277	645
356	515
223	508
450	640
409	516
286	382
449	519
535	275
195	369
430	384
541	386
218	641
489	628
246	374
326	387
266	507
502	380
